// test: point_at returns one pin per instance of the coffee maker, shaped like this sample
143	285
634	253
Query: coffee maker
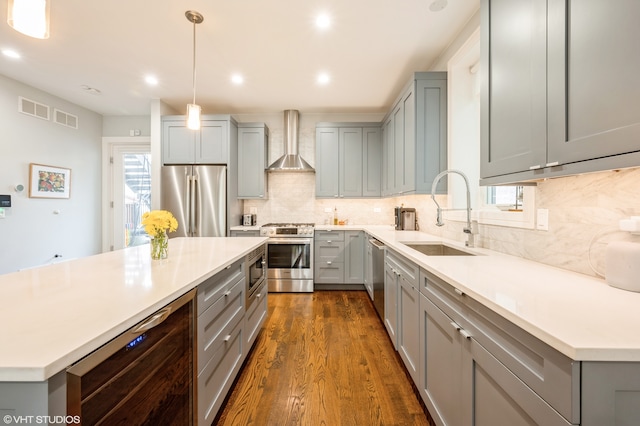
406	219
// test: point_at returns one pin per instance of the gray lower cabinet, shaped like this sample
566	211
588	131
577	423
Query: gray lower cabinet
256	314
401	304
209	145
253	142
339	257
478	369
414	136
348	158
560	91
220	340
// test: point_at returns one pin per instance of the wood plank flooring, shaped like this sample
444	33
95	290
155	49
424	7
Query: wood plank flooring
322	358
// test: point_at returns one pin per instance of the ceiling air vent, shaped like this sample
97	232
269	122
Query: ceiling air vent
33	108
65	118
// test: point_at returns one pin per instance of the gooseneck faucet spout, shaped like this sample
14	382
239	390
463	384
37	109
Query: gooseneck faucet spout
469	230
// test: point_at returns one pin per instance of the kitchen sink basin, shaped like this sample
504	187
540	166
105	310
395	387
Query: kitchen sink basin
437	249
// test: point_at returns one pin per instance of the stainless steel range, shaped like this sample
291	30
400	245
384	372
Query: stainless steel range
289	256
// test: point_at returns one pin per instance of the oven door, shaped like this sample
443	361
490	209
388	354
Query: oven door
290	258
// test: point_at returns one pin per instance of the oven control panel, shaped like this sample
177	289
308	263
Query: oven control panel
289	230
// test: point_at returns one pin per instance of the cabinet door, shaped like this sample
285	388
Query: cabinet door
409	143
350	174
594	89
354	257
251	162
440	381
398	147
371	162
431	134
178	143
388	158
390	298
409	327
494	396
327	153
513	102
213	145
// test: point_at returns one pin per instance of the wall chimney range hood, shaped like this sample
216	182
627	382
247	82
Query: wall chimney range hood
291	161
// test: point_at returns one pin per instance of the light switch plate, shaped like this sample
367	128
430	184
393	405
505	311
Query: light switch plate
1	213
542	221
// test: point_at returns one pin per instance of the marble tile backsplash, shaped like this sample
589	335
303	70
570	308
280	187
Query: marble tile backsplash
583	216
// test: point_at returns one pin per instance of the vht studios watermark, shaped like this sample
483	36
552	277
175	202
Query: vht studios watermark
40	420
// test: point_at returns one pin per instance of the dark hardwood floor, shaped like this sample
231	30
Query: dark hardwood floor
322	358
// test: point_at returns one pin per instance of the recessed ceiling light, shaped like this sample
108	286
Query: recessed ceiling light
237	79
438	5
323	78
151	80
11	53
323	21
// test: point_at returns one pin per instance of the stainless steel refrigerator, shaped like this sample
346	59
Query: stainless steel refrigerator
196	196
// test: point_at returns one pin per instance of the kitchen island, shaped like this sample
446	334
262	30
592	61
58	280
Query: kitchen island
55	315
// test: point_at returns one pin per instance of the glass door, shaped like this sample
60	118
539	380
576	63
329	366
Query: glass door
131	194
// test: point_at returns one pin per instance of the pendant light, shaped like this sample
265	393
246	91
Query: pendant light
30	17
193	110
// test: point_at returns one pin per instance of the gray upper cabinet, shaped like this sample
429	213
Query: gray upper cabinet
209	145
560	91
348	157
415	136
253	140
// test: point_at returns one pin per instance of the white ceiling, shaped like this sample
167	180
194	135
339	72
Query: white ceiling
369	51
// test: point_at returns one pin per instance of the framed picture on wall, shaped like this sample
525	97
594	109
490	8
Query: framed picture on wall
49	181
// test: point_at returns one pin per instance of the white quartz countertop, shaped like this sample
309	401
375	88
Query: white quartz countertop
580	316
54	315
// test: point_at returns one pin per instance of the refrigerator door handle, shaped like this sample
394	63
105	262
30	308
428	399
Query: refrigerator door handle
192	206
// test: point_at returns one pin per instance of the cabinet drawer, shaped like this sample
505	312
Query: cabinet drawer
409	270
215	380
215	287
552	375
256	314
327	235
329	251
215	324
329	274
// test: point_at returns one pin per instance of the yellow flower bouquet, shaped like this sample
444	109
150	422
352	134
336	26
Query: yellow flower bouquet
156	224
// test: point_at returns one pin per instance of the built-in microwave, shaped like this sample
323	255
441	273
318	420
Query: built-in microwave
256	272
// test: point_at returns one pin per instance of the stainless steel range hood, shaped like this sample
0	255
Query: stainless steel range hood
291	161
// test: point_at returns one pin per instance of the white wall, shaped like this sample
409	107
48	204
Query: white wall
31	234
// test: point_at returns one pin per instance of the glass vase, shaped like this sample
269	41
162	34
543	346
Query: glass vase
159	246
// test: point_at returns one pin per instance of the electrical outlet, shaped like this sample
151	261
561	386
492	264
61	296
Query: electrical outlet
542	221
1	213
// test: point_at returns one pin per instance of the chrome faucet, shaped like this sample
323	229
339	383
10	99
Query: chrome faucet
471	228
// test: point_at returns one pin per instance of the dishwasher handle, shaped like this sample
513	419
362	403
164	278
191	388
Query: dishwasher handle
154	321
376	243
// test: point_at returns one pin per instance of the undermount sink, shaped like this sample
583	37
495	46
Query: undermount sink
437	249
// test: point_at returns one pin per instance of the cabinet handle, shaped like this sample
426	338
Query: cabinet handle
555	163
227	293
258	296
329	241
458	292
536	167
227	338
456	326
228	267
328	262
465	334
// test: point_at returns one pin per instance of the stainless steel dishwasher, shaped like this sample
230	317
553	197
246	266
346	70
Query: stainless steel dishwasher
377	274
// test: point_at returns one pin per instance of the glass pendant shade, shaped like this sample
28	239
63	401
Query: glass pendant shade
30	17
193	116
